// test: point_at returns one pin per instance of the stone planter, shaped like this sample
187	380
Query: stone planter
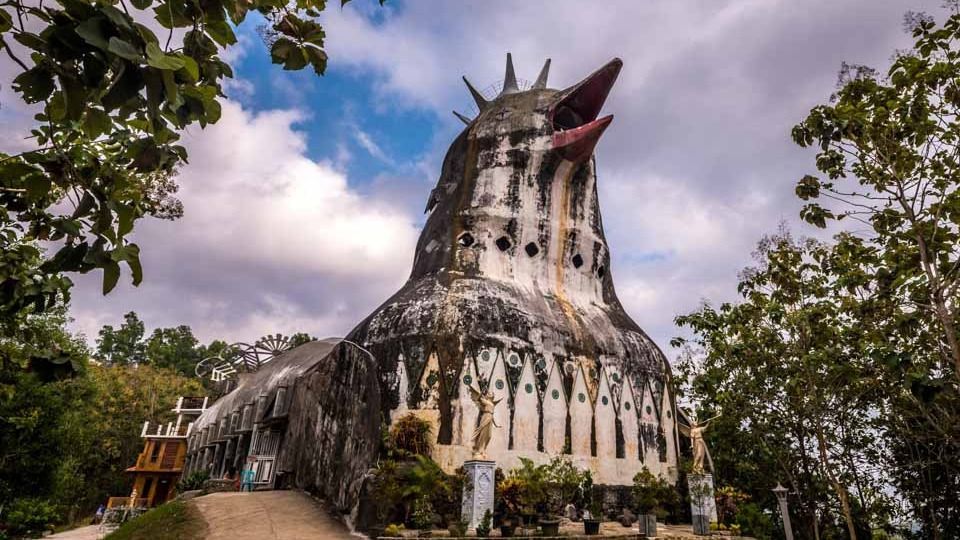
591	527
647	525
549	526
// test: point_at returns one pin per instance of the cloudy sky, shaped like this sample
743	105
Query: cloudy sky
304	203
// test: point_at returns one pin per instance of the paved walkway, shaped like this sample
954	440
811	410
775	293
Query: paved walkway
90	532
276	515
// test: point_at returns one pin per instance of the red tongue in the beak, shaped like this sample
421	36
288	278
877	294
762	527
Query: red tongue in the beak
577	144
576	129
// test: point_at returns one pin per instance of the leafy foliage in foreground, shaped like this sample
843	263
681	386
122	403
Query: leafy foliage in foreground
111	97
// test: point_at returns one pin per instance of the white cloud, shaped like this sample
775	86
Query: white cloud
271	241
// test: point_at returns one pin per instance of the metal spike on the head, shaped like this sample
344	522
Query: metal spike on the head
481	101
509	79
462	118
542	78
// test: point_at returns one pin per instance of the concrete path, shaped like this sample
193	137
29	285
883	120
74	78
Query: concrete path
265	515
90	532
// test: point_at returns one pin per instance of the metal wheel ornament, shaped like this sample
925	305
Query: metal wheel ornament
242	357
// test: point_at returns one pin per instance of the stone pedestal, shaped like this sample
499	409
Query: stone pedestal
703	507
477	492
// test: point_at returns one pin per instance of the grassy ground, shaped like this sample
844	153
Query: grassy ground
175	520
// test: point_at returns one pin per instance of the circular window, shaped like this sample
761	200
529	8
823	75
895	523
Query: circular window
604	400
514	360
531	249
555	394
467	380
626	405
499	384
615	377
649	410
529	388
485	356
669	415
581	397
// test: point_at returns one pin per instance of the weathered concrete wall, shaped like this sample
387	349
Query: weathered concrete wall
334	429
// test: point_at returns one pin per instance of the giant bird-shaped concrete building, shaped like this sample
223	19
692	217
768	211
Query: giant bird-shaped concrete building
511	292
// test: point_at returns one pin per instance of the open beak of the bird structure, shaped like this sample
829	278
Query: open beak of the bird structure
576	126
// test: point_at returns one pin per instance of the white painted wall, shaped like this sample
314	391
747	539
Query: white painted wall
581	415
501	414
605	420
554	412
526	413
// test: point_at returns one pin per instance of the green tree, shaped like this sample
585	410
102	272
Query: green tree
124	345
174	348
888	149
111	98
784	366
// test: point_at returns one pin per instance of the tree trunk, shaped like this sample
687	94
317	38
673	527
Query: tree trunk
940	310
841	491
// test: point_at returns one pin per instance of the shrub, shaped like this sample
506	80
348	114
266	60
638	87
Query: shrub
483	528
393	530
192	481
753	522
566	484
411	434
652	494
728	500
422	517
29	516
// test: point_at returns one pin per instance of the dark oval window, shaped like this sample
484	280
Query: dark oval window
529	388
581	397
499	384
577	261
555	394
649	410
531	249
601	271
503	243
465	239
485	356
604	400
467	379
626	405
669	415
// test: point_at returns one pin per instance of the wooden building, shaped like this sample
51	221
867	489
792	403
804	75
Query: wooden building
160	464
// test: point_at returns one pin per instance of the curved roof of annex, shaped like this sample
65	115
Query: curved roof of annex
281	371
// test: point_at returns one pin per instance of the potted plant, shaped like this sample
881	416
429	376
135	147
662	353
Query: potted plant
648	490
591	522
511	497
507	526
549	525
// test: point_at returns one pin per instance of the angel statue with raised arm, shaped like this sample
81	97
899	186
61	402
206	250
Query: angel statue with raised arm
695	432
481	435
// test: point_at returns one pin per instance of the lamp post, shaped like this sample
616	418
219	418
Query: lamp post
781	493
